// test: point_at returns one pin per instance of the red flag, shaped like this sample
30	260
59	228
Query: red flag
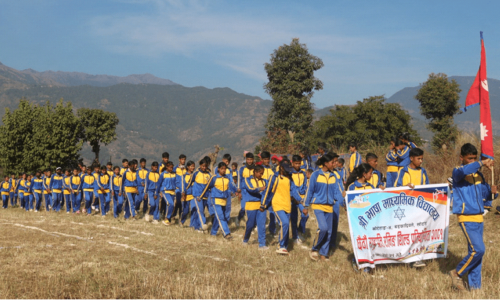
479	95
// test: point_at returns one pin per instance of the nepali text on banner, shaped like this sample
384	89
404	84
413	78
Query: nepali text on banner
398	225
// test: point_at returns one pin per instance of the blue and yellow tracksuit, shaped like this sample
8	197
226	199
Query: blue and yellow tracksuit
76	192
306	164
129	190
28	195
5	191
56	187
414	176
103	184
12	193
254	216
88	185
166	189
95	203
67	193
356	186
343	174
300	180
279	193
47	197
179	171
469	193
243	173
220	188
123	170
376	179
392	168
36	189
197	183
116	184
141	178
20	192
188	191
268	173
354	161
151	185
323	192
412	145
403	157
229	174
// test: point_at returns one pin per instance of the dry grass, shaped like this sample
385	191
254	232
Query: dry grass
56	255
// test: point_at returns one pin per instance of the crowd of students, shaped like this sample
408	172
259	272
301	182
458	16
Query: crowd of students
273	191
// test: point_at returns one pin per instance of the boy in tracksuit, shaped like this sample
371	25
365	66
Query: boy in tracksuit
76	190
470	190
116	184
166	191
47	195
413	174
67	190
141	177
96	202
37	188
243	173
179	170
12	193
151	185
376	179
129	189
255	186
355	159
299	178
268	173
103	183
5	190
56	189
88	184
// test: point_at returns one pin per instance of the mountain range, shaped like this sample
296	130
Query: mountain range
158	115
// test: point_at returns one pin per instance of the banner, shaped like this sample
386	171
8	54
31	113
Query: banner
398	225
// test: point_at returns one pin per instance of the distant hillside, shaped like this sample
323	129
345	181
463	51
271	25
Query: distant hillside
12	78
158	118
406	97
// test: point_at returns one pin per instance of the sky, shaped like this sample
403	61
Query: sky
368	47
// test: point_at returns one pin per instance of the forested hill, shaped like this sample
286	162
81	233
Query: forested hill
157	118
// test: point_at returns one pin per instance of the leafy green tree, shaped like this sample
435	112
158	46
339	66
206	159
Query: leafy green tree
369	121
99	127
36	137
438	99
291	84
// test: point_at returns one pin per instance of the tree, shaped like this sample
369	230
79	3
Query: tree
99	128
438	99
291	85
35	137
370	120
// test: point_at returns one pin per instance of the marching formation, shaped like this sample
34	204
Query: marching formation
275	191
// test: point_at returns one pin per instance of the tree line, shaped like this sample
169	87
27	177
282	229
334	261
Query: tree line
290	125
34	137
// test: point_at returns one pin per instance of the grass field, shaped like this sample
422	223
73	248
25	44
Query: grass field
59	255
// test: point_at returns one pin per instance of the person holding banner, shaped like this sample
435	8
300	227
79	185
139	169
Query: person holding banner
323	192
413	174
360	178
469	191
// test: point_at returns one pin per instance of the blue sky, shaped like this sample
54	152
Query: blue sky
368	47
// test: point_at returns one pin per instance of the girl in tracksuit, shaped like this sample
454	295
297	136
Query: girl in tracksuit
47	195
5	190
279	194
220	186
129	189
12	193
56	189
37	188
255	186
323	192
88	183
198	182
151	186
187	193
103	183
76	191
67	190
300	179
166	190
116	183
359	178
28	194
20	190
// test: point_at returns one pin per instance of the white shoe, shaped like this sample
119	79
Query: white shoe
204	227
36	210
419	264
155	222
67	212
485	212
264	248
297	241
146	218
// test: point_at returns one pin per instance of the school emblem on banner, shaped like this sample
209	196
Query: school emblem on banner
398	225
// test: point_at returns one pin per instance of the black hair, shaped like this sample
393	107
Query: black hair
124	160
416	152
468	149
235	164
284	165
165	155
154	164
189	163
204	161
221	164
67	170
132	162
96	166
227	156
371	156
323	159
182	156
142	160
84	166
76	168
169	163
310	171
397	142
406	136
341	161
249	155
208	159
357	173
109	164
323	147
116	167
103	167
353	144
296	158
258	168
333	155
265	155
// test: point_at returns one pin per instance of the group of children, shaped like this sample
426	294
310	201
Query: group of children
274	190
